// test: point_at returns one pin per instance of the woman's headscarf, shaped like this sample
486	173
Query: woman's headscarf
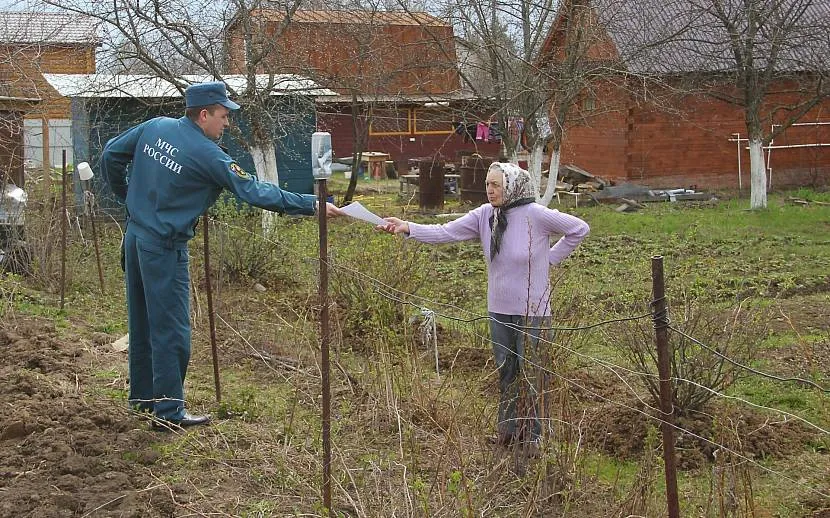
518	190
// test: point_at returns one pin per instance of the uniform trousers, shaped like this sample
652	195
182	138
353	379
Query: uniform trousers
158	304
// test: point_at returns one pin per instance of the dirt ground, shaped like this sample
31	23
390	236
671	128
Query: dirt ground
62	454
623	433
69	447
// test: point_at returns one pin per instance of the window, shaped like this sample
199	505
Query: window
589	103
33	142
389	121
60	138
433	121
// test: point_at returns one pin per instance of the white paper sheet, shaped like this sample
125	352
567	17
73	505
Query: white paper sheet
358	211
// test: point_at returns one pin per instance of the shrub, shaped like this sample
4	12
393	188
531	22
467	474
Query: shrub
732	334
373	286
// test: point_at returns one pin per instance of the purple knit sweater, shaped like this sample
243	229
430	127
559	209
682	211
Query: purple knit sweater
518	278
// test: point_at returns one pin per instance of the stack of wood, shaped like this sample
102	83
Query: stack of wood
573	178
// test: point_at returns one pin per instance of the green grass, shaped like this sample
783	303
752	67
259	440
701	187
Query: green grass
267	433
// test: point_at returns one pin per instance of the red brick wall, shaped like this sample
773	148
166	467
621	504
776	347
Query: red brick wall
374	59
598	144
693	148
689	146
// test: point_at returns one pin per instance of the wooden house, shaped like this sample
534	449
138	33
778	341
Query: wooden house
33	44
395	73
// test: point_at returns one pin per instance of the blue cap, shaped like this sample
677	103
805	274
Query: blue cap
205	94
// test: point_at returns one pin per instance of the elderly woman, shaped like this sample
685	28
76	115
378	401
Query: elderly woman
515	234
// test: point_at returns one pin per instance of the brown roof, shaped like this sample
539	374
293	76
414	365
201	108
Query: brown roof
681	36
355	17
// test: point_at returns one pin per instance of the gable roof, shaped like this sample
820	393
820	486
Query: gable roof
48	28
682	36
352	17
146	86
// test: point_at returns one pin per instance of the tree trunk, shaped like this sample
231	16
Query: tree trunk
534	166
265	165
553	176
512	155
359	142
758	175
350	190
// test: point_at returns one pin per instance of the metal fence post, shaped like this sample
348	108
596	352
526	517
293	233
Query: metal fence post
64	230
211	320
324	341
660	318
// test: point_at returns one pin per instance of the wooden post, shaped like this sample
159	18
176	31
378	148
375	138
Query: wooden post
95	240
664	369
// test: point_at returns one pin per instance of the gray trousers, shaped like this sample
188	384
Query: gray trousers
515	352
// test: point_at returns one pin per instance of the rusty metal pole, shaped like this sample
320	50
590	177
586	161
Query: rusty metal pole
64	216
660	318
324	341
214	352
95	240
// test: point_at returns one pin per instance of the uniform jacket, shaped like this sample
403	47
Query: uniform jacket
168	173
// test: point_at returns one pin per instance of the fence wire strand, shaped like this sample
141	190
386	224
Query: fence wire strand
404	298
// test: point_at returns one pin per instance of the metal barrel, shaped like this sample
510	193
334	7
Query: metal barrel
473	174
431	183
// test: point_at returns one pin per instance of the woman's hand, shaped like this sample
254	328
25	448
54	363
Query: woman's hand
394	226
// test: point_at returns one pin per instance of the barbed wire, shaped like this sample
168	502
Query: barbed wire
680	428
390	292
704	439
480	317
663	316
746	367
614	367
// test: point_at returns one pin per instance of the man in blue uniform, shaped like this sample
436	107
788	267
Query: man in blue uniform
168	172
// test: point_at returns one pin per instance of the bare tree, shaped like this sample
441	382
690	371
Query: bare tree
768	57
533	61
772	59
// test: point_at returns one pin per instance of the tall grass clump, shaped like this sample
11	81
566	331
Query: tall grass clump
374	281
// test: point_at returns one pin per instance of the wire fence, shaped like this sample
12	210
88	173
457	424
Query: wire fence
434	311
